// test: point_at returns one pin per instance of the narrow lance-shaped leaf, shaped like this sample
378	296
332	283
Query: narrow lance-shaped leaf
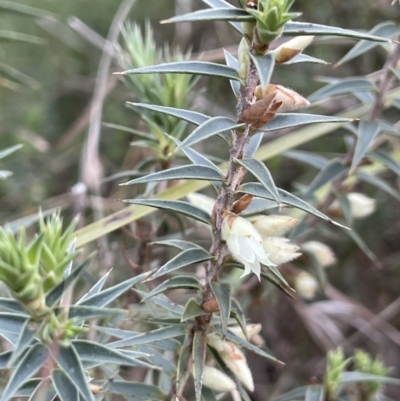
214	14
378	182
367	132
224	4
310	158
97	287
344	86
364	247
259	205
28	365
237	313
6	36
177	243
65	388
185	208
295	394
187	115
199	356
192	309
254	144
83	312
15	7
211	127
140	134
185	258
222	293
179	282
187	67
189	172
315	393
261	172
304	58
387	160
294	28
137	390
12	322
233	63
46	391
12	305
265	67
9	151
356	377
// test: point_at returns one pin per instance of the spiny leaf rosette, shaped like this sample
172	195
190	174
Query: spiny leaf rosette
247	222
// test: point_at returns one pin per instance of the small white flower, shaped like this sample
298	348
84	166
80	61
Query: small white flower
251	329
244	243
217	380
360	204
273	225
306	285
204	202
292	48
233	358
322	253
280	250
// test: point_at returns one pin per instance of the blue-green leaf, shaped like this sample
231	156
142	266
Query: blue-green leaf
211	127
83	312
199	349
187	67
68	360
344	86
192	310
356	377
237	313
12	322
233	63
265	67
310	158
65	388
367	132
293	395
185	208
26	337
222	294
15	7
214	14
304	58
12	305
378	182
140	134
224	4
364	247
189	172
387	160
187	115
315	393
293	28
261	172
254	144
8	151
185	258
259	205
6	36
137	390
177	243
28	365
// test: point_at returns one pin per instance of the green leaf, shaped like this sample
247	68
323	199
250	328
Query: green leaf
178	282
6	36
293	28
224	4
185	258
265	67
261	172
12	305
15	7
293	395
364	247
185	208
91	351
189	172
310	158
332	170
187	115
12	322
387	160
177	243
17	76
68	360
164	302
9	151
344	86
26	337
304	58
254	144
199	349
237	313
192	310
55	294
355	377
287	199
137	390
28	365
96	288
386	29
186	67
65	388
367	132
288	120
378	183
215	14
83	312
315	393
222	294
108	295
135	132
211	127
258	205
233	63
151	336
4	358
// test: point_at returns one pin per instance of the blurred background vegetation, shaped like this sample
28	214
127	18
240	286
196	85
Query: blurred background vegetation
49	113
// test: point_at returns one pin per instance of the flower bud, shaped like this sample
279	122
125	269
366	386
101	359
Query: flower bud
291	48
322	253
306	285
273	225
244	60
360	204
280	250
204	202
288	97
216	380
251	329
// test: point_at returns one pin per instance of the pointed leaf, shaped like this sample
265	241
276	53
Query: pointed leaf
293	28
287	199
214	14
295	394
187	115
364	247
303	58
192	310
261	172
12	305
26	338
378	183
265	67
8	151
29	364
6	36
233	63
259	205
137	390
66	390
68	360
332	170
179	282
185	258
83	312
177	243
385	29
108	295
189	172
254	144
288	120
187	67
312	159
140	134
199	356
151	336
15	7
12	322
45	389
344	86
185	208
222	294
367	132
211	127
224	4
184	362
315	393
164	302
237	313
96	288
386	159
356	377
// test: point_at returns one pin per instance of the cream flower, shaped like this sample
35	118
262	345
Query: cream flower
204	202
244	243
360	204
306	285
273	225
280	250
322	253
251	329
292	48
217	380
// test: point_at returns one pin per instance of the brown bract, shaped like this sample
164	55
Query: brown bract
242	203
